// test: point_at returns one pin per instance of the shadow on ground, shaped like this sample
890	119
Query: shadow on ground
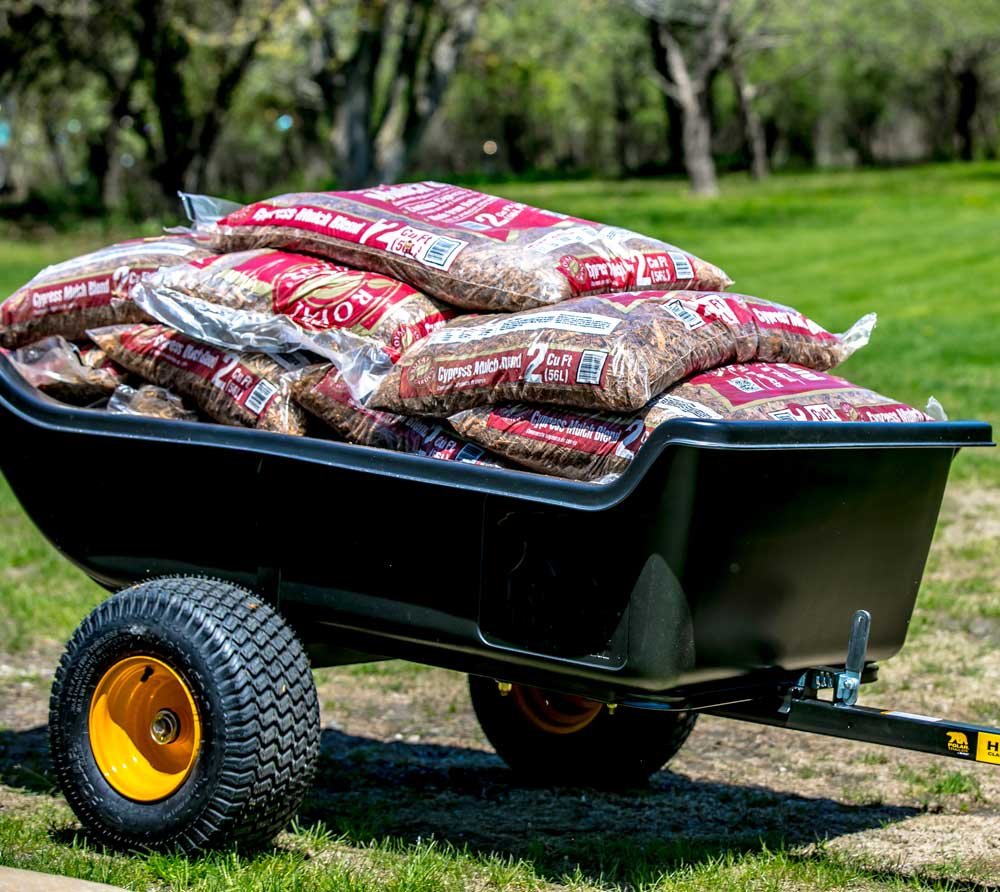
408	792
411	792
24	760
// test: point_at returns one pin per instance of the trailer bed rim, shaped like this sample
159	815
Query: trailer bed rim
21	399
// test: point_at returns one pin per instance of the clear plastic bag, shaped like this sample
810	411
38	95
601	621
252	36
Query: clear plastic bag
150	401
66	372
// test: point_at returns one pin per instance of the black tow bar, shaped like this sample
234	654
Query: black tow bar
799	708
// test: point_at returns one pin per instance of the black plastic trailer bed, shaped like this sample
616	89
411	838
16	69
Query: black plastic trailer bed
738	568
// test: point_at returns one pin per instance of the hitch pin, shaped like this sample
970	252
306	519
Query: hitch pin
849	681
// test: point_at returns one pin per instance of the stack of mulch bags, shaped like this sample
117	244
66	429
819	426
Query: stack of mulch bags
429	319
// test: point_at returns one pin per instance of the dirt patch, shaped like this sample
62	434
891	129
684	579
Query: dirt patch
403	757
930	846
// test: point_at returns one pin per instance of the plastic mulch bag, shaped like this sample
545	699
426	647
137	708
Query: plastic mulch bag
593	445
473	250
150	401
66	372
250	390
89	291
610	351
321	390
277	301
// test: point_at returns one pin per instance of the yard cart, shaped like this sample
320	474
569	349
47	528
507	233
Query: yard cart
751	570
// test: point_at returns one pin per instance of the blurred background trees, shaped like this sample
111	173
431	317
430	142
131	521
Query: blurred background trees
117	104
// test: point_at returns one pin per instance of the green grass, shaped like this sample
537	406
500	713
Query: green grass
936	782
919	246
43	597
314	860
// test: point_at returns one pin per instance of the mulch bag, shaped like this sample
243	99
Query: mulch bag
250	390
322	391
150	401
66	372
467	248
592	445
279	302
610	351
89	291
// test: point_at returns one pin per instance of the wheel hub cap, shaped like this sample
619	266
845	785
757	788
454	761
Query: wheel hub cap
144	727
165	728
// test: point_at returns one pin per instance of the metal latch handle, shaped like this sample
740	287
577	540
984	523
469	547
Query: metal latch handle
849	682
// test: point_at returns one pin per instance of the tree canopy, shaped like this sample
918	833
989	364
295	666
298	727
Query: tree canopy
122	102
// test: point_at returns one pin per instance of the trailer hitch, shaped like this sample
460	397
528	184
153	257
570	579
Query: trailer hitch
846	682
798	708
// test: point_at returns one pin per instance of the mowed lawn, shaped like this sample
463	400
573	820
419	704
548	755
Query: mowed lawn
918	246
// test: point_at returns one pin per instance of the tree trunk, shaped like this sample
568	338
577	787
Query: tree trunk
425	85
697	134
968	99
689	84
753	129
675	136
352	139
623	120
56	152
675	117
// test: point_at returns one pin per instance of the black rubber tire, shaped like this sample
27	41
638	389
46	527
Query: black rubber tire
612	751
254	690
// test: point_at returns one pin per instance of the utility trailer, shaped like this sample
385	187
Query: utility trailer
736	568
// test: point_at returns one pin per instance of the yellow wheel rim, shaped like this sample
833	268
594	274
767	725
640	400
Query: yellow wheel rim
144	728
555	713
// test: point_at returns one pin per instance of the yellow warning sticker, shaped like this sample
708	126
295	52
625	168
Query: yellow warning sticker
988	748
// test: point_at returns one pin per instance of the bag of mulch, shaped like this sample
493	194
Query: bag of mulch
250	390
89	291
280	302
322	391
609	351
150	401
776	392
68	373
592	445
469	249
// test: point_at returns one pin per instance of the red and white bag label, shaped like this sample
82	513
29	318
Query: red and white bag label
780	318
59	296
592	433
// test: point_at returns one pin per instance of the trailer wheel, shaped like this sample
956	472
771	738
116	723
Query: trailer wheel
562	739
183	717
